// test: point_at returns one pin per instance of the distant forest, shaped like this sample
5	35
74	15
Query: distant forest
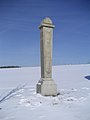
9	67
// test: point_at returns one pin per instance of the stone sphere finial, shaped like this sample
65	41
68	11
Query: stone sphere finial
47	20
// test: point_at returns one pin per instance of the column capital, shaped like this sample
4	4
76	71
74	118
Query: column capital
47	22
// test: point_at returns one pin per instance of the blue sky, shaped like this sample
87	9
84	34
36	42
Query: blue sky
20	36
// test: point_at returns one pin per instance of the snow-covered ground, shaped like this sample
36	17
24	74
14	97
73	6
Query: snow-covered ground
19	101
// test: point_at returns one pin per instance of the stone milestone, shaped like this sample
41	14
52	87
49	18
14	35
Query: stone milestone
46	85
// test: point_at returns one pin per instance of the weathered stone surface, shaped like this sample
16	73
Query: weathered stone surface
47	88
46	85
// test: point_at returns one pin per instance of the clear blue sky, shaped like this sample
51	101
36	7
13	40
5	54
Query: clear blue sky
20	36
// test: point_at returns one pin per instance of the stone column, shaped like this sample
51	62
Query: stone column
46	85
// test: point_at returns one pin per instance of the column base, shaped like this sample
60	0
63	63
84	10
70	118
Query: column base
47	87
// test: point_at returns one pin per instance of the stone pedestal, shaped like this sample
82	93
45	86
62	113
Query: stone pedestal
46	85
